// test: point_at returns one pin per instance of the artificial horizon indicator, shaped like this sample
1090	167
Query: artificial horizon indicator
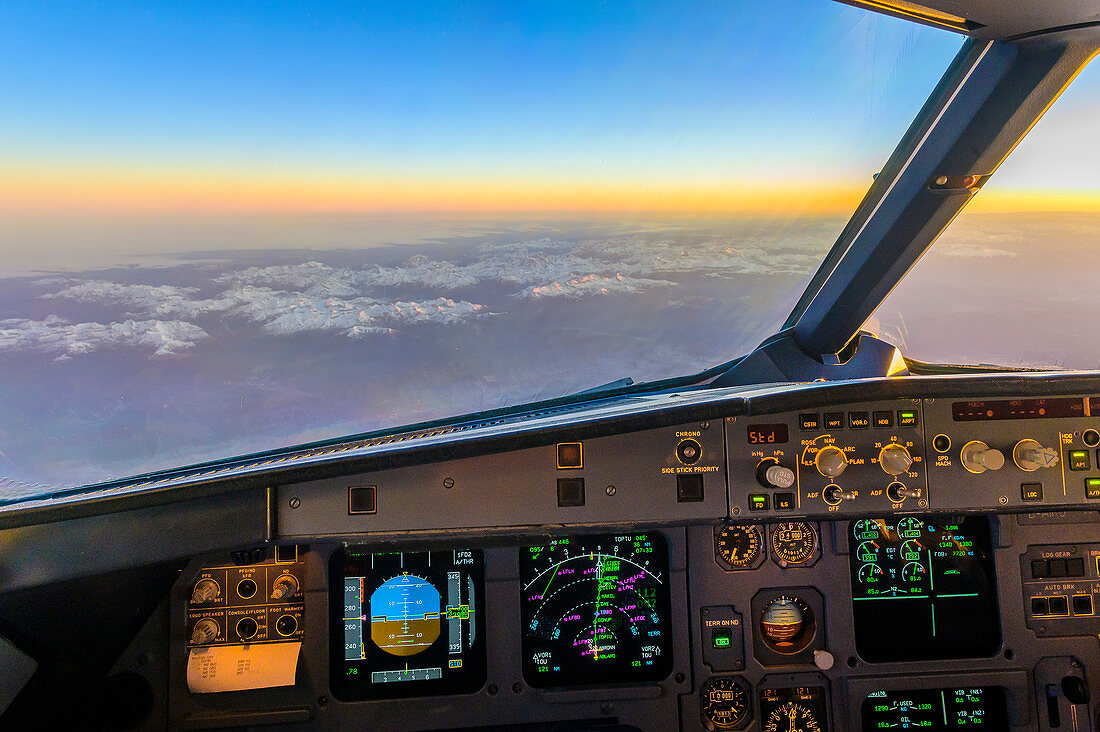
407	623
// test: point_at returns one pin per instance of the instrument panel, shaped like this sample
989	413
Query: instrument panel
881	564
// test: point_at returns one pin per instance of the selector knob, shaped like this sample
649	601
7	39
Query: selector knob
205	591
978	457
831	461
1029	455
205	631
894	459
284	587
771	474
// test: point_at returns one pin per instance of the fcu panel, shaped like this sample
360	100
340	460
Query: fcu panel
919	455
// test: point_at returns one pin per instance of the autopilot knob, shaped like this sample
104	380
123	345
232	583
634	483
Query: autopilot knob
771	474
284	587
831	461
978	457
1029	455
895	459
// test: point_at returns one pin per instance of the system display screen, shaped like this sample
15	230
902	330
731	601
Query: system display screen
407	623
595	610
923	589
935	710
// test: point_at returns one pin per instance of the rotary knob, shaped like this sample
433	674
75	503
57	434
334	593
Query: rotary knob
284	587
831	461
1029	455
205	631
894	459
205	591
978	457
771	474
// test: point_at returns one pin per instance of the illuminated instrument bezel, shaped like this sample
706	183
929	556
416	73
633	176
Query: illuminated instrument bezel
758	554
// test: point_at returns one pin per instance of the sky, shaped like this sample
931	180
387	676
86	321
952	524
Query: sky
452	105
115	117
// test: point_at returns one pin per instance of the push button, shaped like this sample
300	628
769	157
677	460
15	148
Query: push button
758	501
1092	488
1040	606
1078	460
1031	491
784	501
1059	605
809	422
362	499
1082	604
570	456
1075	567
859	420
908	418
834	420
721	638
1040	568
884	419
570	492
689	488
1057	568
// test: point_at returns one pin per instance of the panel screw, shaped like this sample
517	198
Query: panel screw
705	425
448	483
736	511
610	490
1003	500
517	688
295	502
922	503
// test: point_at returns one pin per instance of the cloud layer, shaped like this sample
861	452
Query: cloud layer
366	301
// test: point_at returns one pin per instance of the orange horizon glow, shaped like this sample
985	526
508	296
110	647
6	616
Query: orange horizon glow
40	192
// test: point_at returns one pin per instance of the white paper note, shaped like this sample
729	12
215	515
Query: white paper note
235	668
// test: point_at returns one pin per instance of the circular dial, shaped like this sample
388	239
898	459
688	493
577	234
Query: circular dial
894	459
787	624
724	703
792	717
831	461
738	545
794	542
596	610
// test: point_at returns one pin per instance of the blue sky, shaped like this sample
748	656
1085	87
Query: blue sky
697	91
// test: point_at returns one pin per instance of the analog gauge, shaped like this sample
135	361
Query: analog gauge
724	703
797	709
792	717
794	542
910	528
867	552
913	572
870	574
866	529
738	545
787	625
911	551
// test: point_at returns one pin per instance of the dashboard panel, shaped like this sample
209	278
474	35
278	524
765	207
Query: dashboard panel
690	569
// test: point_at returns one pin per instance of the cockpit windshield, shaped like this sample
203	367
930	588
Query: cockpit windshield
240	228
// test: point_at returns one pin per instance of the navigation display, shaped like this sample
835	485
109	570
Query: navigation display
923	589
936	710
595	610
407	623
